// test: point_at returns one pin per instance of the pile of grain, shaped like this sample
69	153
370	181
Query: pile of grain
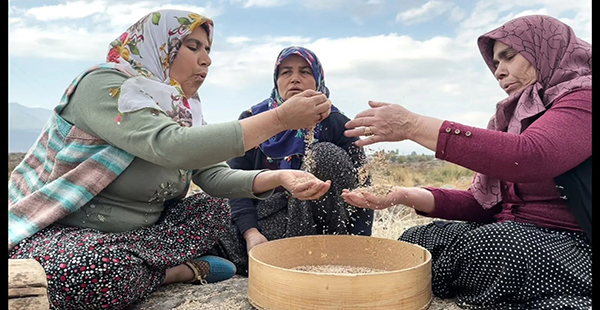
345	269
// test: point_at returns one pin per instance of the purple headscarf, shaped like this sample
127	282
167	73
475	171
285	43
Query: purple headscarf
288	146
564	64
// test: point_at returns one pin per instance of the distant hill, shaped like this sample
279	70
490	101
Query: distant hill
24	126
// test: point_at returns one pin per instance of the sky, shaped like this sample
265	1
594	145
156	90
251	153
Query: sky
418	53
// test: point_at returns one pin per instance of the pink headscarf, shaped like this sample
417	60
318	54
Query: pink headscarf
564	64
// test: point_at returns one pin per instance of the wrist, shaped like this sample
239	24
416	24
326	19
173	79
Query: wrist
424	130
278	115
413	125
267	180
250	232
399	195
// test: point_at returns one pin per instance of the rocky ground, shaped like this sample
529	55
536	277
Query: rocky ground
227	295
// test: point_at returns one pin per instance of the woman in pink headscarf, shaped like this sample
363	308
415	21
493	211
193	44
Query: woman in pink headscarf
512	241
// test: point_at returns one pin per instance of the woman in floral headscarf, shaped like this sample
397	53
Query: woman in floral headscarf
322	150
100	199
518	245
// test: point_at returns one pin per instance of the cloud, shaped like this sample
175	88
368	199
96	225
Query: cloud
260	3
70	10
59	42
425	12
79	30
238	40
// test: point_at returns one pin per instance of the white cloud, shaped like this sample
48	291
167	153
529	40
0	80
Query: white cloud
69	10
238	40
59	42
425	12
14	20
59	35
260	3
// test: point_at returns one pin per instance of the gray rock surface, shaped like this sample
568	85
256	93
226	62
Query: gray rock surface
231	294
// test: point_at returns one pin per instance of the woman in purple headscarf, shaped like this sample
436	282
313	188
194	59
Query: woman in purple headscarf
334	157
517	243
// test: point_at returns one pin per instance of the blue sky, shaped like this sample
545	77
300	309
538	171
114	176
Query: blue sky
418	53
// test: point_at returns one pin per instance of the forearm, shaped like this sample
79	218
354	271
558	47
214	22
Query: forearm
417	198
425	131
244	213
255	131
450	204
251	231
221	181
265	181
557	141
455	204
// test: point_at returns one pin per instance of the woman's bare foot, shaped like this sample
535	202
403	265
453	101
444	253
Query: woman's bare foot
178	274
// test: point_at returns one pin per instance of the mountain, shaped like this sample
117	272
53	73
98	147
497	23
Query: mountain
24	126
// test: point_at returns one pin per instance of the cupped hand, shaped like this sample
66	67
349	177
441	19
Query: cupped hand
387	122
362	198
304	110
303	185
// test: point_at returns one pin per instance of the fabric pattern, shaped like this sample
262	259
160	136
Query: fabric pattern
62	171
564	64
89	269
508	265
289	145
157	37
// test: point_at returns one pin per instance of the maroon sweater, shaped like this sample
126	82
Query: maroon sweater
557	141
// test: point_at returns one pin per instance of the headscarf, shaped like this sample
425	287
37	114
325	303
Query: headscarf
288	146
564	64
147	49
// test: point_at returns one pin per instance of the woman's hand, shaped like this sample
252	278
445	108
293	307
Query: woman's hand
300	184
386	122
303	185
362	198
417	198
393	122
303	110
300	111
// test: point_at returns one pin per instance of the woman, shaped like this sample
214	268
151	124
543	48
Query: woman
323	150
99	200
518	245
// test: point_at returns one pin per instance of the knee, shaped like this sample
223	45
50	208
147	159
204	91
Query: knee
492	241
330	162
327	152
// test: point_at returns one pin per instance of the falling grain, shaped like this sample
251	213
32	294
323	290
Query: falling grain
309	141
375	165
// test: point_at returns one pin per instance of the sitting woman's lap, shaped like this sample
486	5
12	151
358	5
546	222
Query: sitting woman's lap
90	269
507	264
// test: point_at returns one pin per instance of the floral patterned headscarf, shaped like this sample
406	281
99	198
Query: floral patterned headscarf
146	50
288	147
564	64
